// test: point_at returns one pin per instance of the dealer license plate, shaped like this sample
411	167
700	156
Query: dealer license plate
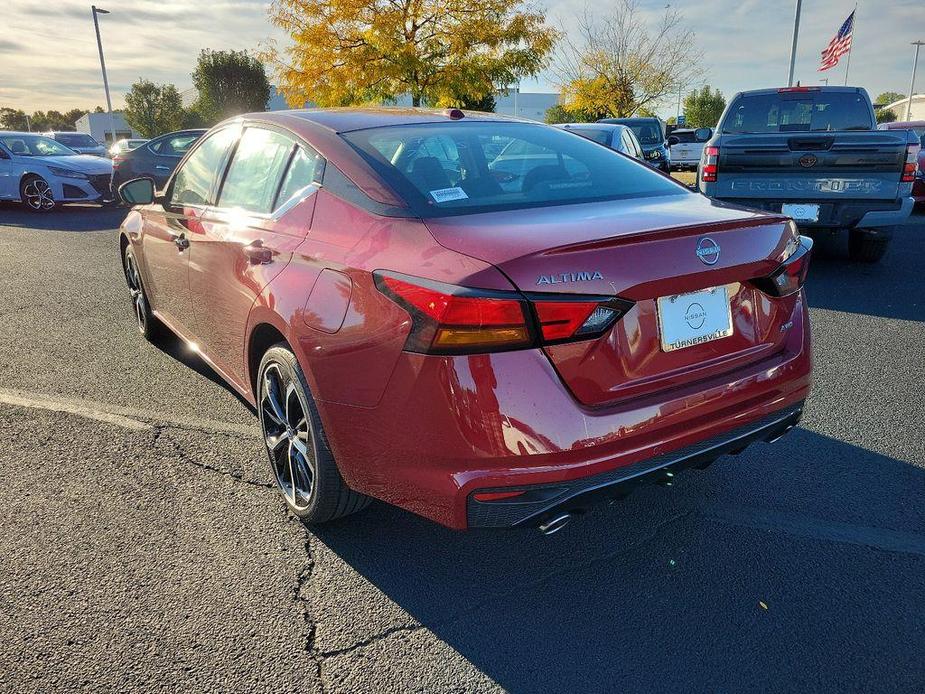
691	319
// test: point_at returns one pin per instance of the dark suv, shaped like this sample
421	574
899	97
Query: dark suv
651	135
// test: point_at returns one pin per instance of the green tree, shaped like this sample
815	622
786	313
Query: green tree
229	83
888	98
561	114
441	52
71	117
484	103
153	109
703	108
885	115
13	119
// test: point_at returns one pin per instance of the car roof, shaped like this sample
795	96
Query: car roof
595	126
634	119
344	120
808	88
20	132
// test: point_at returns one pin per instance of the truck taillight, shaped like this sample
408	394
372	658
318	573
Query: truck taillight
911	163
448	319
709	167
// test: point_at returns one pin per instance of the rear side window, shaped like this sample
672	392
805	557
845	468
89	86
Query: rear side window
458	167
194	181
798	112
300	174
256	170
174	146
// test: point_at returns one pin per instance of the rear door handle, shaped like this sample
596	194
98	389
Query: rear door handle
161	167
257	254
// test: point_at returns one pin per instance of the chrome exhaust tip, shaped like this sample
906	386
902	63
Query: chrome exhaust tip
779	436
555	524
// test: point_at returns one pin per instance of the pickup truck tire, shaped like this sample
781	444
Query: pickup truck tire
865	247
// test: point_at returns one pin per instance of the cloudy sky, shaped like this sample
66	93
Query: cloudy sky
48	56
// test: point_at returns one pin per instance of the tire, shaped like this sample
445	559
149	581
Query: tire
148	325
866	247
36	194
301	461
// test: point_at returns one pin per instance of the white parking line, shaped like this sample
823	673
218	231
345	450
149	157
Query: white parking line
128	417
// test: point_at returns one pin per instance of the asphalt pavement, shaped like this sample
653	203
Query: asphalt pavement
142	547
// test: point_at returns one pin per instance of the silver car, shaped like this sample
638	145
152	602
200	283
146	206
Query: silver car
615	136
42	173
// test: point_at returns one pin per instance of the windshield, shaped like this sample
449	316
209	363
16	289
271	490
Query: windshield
76	140
798	112
459	168
35	146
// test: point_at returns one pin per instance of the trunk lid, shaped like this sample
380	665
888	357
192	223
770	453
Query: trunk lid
638	250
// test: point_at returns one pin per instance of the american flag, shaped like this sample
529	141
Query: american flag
839	45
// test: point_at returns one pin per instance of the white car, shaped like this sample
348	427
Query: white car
686	150
42	173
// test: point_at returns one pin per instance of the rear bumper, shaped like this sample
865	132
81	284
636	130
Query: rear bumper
541	502
450	426
841	213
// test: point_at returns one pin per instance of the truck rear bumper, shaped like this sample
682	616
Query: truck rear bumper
841	213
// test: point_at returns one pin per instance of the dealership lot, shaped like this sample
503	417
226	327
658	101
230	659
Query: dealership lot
141	546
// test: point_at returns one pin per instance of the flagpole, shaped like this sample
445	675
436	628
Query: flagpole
854	26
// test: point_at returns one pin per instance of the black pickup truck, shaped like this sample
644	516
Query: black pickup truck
814	154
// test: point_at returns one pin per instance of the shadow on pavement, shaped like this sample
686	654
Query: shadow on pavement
892	288
661	592
66	218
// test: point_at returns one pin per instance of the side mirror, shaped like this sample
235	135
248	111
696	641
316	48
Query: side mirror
703	134
138	191
673	140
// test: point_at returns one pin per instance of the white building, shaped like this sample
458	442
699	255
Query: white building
97	126
900	107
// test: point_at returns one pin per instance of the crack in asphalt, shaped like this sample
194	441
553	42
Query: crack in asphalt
493	598
302	580
161	435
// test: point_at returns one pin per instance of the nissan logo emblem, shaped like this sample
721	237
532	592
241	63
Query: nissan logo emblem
808	160
708	250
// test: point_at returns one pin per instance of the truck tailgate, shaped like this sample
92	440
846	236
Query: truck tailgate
811	166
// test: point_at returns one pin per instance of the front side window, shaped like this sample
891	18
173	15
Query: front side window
194	181
459	167
256	170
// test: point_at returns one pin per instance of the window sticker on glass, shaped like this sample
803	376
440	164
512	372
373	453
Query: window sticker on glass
448	194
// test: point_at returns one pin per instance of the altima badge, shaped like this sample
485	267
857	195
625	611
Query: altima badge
708	250
570	277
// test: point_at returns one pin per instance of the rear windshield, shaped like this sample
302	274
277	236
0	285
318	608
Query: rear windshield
798	112
647	130
463	168
76	140
684	137
602	137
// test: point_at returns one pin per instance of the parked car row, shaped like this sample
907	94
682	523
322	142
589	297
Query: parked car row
43	172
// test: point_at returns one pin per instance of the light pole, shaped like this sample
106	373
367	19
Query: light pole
793	44
99	44
915	62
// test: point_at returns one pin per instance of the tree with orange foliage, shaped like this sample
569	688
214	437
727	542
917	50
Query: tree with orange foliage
441	52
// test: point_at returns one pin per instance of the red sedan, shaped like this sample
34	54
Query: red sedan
486	321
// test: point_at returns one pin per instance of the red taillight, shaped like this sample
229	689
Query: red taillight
911	164
447	319
709	167
791	275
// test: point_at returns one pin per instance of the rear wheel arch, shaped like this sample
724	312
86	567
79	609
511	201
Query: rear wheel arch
262	337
